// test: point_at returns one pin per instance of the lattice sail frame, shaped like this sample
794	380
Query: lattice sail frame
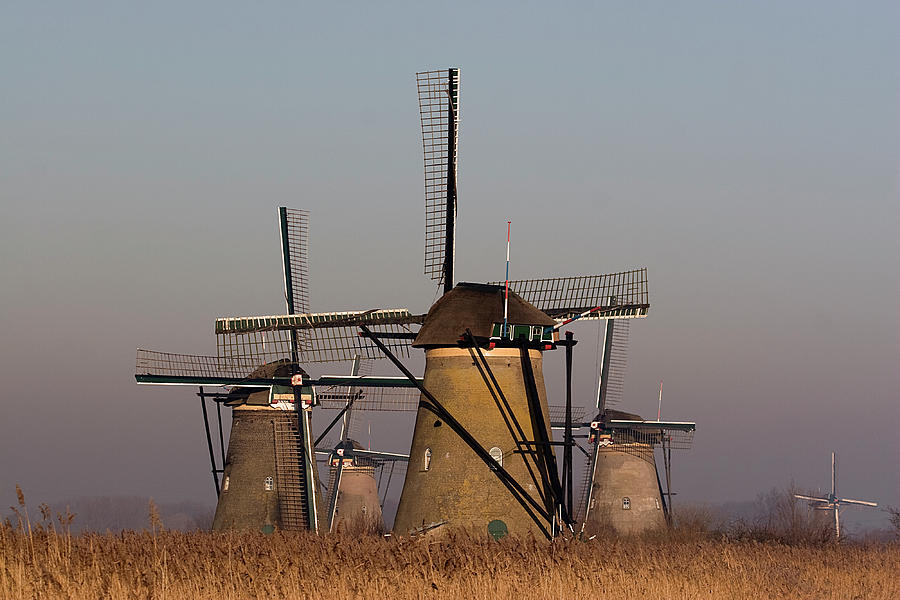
294	224
326	337
618	364
641	438
438	95
191	366
622	295
194	368
382	399
652	434
557	414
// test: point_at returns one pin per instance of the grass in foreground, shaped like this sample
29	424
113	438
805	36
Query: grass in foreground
40	562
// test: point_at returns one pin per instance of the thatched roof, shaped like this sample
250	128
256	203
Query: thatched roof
476	306
621	415
260	396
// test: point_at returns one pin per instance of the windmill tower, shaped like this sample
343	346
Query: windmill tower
262	486
623	490
353	500
446	483
831	501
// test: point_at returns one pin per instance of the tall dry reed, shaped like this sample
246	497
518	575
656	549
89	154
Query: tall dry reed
43	560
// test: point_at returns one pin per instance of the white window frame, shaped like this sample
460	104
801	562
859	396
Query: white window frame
497	454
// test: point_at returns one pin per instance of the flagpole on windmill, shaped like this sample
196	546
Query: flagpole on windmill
659	408
506	295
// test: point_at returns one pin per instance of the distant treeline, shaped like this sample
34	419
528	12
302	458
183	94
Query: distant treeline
120	513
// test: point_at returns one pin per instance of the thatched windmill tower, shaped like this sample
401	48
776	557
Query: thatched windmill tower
625	493
353	503
446	483
260	486
623	490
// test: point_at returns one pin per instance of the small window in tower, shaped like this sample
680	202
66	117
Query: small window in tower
427	463
364	509
270	484
657	504
626	503
225	483
497	454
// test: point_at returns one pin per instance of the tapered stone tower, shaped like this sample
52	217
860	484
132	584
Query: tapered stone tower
261	488
353	492
447	485
625	494
248	498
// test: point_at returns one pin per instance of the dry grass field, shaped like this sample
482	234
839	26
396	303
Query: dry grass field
42	560
45	564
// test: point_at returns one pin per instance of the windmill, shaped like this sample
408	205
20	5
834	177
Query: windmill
622	488
482	450
831	501
269	477
353	500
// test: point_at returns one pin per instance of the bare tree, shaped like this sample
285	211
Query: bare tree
894	516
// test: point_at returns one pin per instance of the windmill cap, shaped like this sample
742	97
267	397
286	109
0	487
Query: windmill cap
621	415
260	396
474	306
351	444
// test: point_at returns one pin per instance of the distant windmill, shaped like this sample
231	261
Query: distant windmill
353	496
622	488
831	501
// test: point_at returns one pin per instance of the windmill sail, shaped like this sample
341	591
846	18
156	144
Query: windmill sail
294	225
611	296
370	392
439	115
325	337
612	382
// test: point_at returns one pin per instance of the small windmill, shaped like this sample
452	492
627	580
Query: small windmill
831	501
622	487
353	496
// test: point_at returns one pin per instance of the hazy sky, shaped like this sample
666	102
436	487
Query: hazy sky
746	153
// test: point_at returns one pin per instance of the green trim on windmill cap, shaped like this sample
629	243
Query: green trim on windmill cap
474	306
